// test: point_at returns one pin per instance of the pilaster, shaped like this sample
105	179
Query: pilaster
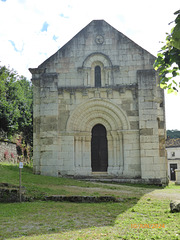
152	165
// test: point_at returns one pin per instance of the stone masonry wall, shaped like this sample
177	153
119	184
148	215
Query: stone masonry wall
152	134
8	152
68	104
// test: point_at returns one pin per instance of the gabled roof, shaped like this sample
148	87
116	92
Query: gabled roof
97	25
172	142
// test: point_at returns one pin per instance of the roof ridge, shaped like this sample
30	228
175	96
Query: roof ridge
173	142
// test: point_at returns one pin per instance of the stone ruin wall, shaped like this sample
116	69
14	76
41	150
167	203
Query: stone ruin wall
8	152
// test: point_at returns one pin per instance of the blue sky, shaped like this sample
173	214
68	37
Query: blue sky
33	30
45	27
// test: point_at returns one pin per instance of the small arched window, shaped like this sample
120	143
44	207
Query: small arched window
97	76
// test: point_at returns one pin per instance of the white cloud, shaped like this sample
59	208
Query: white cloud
21	22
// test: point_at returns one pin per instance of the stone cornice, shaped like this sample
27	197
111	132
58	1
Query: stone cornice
37	70
110	87
40	74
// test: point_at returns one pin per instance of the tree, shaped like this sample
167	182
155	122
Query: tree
168	59
173	134
15	104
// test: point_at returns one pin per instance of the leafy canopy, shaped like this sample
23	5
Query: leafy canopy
168	59
173	133
15	104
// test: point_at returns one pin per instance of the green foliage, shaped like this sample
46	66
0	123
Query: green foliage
173	133
16	104
175	41
168	59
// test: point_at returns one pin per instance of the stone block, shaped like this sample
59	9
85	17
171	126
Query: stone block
149	145
151	124
175	206
149	139
146	131
51	147
48	127
152	153
132	112
147	162
158	167
48	156
134	153
47	141
148	174
63	117
128	146
49	171
135	167
134	124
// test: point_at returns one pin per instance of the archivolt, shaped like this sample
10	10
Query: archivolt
97	57
97	111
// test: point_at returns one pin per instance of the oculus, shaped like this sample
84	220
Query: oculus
99	39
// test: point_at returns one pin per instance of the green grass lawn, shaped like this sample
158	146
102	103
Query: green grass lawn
144	213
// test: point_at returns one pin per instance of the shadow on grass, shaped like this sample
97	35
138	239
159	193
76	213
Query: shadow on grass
41	217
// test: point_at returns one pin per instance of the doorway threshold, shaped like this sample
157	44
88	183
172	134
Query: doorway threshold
100	173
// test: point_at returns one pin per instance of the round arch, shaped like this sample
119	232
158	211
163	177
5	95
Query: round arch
91	62
97	111
97	57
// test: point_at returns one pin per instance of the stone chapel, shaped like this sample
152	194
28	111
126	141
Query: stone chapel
98	110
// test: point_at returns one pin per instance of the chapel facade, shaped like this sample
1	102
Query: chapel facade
98	110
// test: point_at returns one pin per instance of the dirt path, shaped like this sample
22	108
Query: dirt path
170	194
127	191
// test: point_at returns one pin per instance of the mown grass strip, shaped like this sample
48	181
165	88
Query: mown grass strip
61	220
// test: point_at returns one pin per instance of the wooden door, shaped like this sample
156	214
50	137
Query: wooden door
99	150
173	166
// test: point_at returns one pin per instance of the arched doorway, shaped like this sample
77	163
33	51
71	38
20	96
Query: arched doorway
99	149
